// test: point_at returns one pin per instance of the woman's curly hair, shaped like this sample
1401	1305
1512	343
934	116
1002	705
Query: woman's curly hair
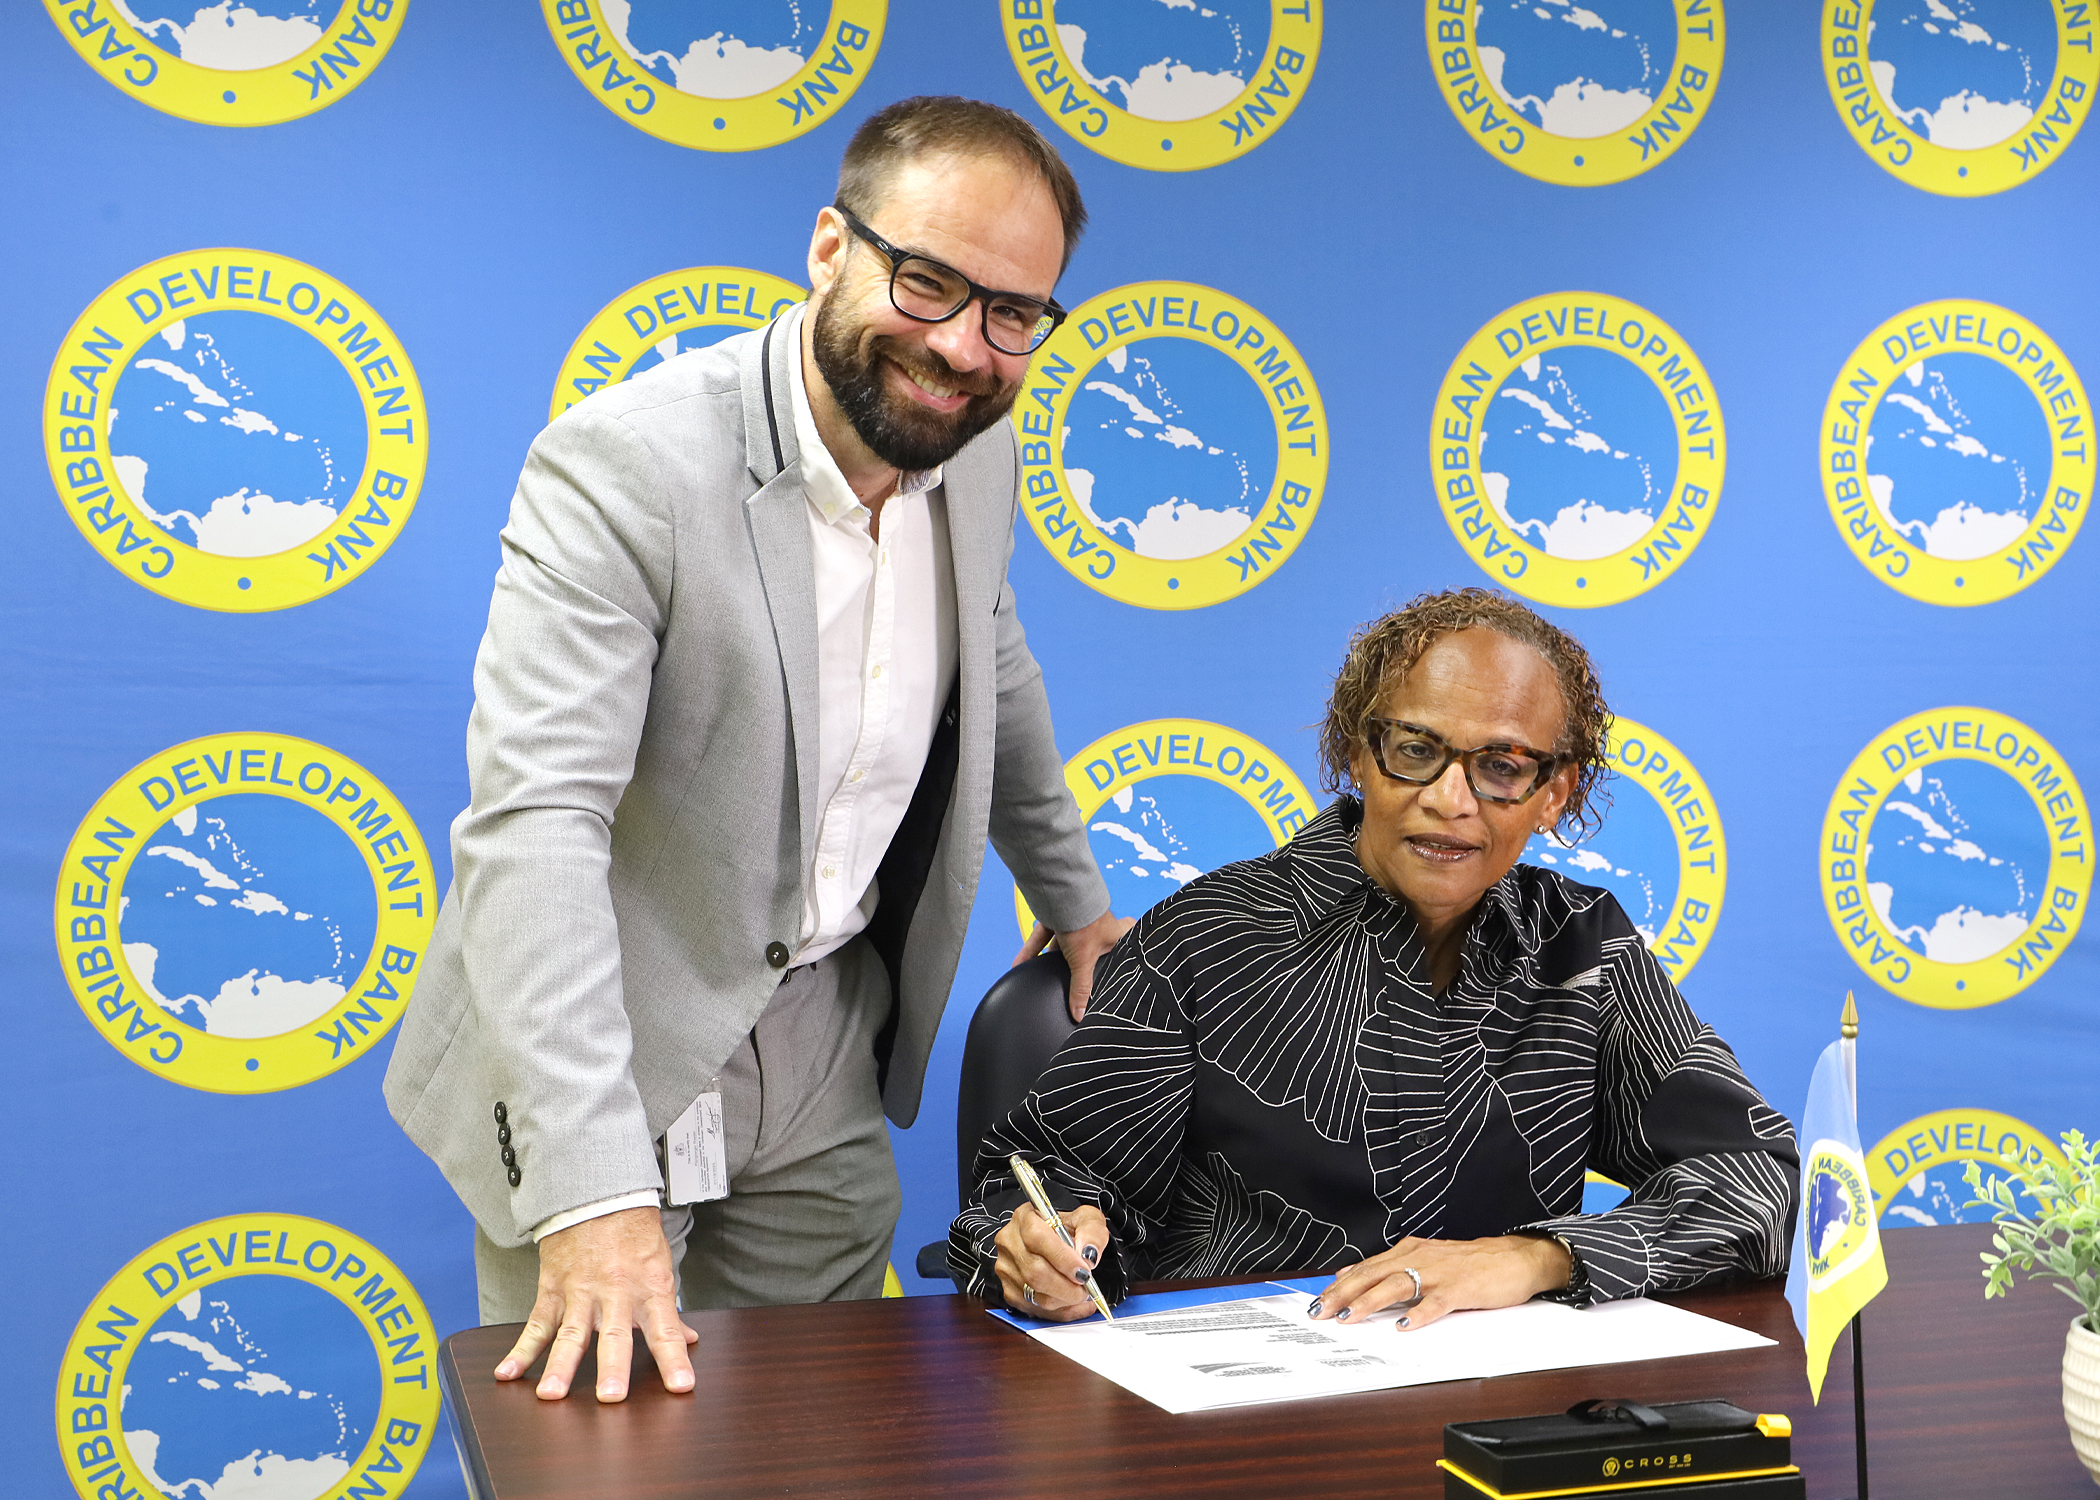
1385	651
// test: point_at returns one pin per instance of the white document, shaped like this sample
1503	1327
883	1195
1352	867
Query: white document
695	1167
1264	1348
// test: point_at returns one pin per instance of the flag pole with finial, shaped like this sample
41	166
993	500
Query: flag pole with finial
1837	1266
1848	1034
1848	1030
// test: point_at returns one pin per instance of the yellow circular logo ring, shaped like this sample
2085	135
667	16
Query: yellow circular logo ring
230	66
1986	147
784	92
1969	556
1658	533
248	551
1136	753
2010	954
1197	119
1946	1136
1664	772
177	1276
260	1031
1233	549
1627	131
654	316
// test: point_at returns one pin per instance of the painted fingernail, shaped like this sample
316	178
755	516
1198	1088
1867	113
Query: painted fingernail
1082	1275
1403	1320
1090	1255
1343	1315
1314	1310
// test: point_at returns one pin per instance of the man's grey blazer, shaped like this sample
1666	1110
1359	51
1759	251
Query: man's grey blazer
642	743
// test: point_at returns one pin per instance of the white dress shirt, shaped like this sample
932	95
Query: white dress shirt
886	646
886	658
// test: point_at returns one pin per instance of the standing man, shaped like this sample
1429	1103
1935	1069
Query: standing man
752	696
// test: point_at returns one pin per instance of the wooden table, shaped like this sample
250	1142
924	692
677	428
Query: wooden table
927	1396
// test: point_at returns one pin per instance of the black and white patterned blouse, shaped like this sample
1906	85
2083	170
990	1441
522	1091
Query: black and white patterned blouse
1266	1082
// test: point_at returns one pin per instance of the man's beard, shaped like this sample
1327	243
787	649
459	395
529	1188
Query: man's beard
895	428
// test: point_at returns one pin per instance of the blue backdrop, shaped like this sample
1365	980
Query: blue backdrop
1749	351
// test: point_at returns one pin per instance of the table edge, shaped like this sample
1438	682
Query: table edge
473	1463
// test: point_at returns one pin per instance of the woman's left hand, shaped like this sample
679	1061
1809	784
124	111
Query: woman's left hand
1456	1275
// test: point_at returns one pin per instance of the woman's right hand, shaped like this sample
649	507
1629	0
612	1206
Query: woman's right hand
1040	1274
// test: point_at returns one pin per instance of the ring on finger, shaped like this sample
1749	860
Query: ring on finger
1028	1292
1416	1299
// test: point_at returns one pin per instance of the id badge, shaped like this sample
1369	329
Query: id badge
695	1170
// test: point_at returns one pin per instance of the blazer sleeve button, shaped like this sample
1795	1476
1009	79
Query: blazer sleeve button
777	955
516	1177
503	1135
509	1155
502	1114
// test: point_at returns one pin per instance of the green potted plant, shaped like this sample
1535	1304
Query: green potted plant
2059	1241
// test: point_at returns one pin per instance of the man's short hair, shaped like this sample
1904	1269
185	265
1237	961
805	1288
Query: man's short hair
945	125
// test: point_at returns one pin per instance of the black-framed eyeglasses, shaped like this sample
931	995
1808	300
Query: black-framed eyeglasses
1501	772
927	291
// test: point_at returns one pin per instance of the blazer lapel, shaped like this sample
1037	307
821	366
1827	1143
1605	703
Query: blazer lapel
980	522
769	420
778	516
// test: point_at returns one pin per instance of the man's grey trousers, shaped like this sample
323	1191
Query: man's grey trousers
813	1194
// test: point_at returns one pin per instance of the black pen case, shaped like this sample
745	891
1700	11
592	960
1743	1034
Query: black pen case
1682	1448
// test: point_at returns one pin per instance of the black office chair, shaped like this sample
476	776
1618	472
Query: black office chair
1020	1023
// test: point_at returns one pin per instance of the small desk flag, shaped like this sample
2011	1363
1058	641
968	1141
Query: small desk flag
1837	1267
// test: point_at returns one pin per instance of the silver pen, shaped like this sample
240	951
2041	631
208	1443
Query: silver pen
1025	1174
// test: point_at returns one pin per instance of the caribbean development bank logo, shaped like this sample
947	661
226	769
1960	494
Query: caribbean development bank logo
1173	445
244	912
1170	799
1662	855
1839	1206
1574	94
1954	860
1916	1170
254	1355
728	78
1957	453
1963	97
1173	87
235	430
1578	449
654	320
258	62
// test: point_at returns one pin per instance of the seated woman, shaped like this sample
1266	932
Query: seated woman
1387	1046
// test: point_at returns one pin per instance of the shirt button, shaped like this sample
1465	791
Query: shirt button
831	872
856	775
876	673
883	556
777	955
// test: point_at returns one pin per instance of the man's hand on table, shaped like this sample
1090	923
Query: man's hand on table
1082	947
1456	1275
1039	1273
612	1274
